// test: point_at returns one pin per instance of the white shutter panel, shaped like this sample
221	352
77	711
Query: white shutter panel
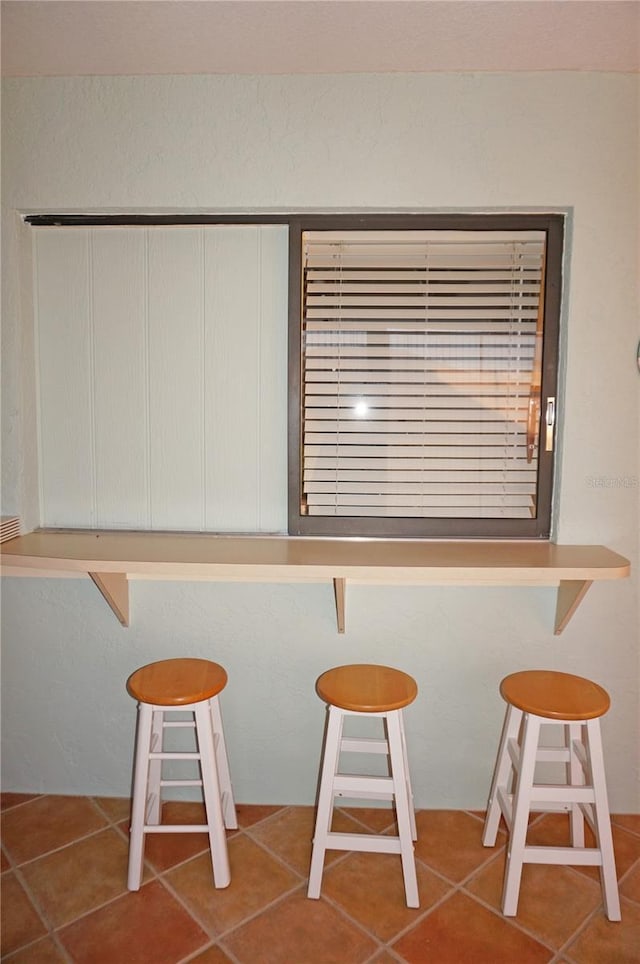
419	369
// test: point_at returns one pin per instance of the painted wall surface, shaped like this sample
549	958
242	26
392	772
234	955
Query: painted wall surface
566	142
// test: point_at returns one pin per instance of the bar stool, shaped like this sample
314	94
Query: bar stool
533	698
169	686
363	690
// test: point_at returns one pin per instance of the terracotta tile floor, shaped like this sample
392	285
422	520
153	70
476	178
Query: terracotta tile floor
64	895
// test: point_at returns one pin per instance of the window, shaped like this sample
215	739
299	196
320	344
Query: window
423	364
161	364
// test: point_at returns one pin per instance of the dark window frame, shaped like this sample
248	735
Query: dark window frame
441	528
552	223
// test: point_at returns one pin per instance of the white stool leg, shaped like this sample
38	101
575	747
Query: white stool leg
575	778
211	791
501	775
138	807
154	794
520	814
222	761
403	808
603	822
405	758
330	762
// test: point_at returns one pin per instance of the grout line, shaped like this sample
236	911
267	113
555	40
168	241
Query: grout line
47	853
218	939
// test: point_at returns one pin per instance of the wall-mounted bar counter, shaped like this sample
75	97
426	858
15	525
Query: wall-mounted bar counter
112	558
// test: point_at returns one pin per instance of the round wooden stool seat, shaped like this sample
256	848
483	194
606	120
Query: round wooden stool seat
367	688
177	682
555	696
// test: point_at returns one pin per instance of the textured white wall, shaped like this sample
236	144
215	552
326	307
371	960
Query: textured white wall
564	141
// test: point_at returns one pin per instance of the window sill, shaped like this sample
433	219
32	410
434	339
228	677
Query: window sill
112	558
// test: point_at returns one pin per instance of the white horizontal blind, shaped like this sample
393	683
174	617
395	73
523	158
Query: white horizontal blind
421	364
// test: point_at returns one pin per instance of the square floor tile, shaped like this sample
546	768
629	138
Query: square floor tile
301	931
553	831
370	888
554	900
630	886
138	928
213	955
461	931
609	942
165	850
45	823
14	799
377	819
42	952
450	842
249	814
97	865
20	922
115	808
289	835
257	879
630	821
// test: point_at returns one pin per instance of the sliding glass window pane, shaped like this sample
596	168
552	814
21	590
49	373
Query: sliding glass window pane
421	374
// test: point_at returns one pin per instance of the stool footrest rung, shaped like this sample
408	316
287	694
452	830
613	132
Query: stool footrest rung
176	828
552	754
578	856
350	744
553	793
361	784
174	755
181	783
366	842
365	795
553	803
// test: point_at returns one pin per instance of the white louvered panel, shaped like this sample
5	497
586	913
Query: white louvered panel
435	499
338	303
430	326
491	470
176	377
422	470
472	455
435	426
428	512
120	385
469	407
418	488
420	347
331	275
401	393
453	283
490	377
350	413
320	356
65	385
162	376
418	438
245	354
389	313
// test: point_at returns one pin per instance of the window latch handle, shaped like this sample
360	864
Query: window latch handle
550	421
